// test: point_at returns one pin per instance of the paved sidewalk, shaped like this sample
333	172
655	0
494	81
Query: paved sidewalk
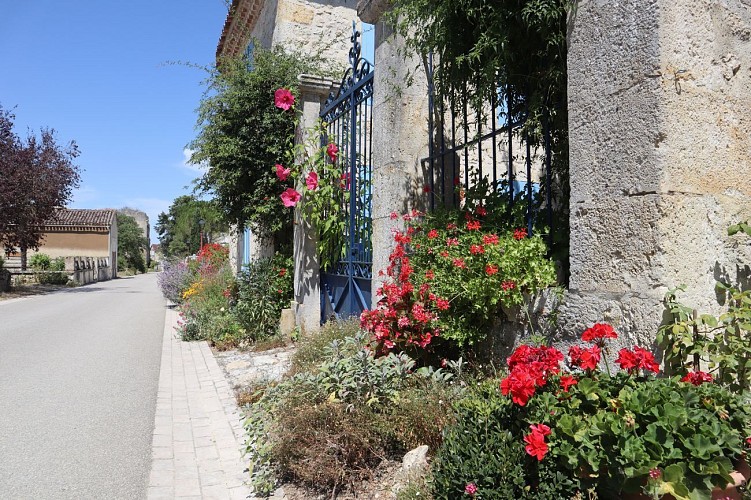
197	432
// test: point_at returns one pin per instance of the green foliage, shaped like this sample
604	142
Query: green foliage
40	262
312	348
331	425
180	228
242	135
722	343
264	289
514	48
131	244
608	433
48	271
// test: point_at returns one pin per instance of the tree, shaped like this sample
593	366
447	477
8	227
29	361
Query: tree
36	176
131	243
242	135
180	230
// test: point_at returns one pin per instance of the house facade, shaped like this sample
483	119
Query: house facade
85	238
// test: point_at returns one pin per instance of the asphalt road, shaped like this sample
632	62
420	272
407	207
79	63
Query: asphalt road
79	371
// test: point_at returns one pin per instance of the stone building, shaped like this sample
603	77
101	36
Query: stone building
659	148
86	239
310	26
660	153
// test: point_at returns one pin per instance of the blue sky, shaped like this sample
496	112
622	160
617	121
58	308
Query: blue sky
106	75
99	72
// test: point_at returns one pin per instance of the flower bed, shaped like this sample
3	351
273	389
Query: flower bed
549	432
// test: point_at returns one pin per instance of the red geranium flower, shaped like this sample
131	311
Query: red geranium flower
491	269
290	197
432	234
283	99
540	429
645	360
536	445
429	274
442	304
520	234
567	381
697	378
460	263
598	333
473	225
586	359
520	385
508	285
490	239
626	360
476	249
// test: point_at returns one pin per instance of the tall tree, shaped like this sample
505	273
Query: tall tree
131	243
36	175
180	228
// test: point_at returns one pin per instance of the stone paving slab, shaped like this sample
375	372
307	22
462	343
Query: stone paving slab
196	445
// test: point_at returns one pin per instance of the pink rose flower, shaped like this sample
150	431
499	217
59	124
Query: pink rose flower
290	197
283	99
282	173
312	181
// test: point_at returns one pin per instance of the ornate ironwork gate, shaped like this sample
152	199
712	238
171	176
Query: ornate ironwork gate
345	285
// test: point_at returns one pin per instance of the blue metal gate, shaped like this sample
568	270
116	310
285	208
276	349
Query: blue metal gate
345	285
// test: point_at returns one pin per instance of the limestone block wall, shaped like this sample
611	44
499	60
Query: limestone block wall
307	295
659	124
310	26
400	135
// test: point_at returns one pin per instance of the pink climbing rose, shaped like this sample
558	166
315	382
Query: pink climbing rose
283	99
312	181
290	197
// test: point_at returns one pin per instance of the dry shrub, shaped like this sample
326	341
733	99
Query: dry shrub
326	447
420	414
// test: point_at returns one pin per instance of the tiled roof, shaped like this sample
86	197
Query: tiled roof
81	217
241	19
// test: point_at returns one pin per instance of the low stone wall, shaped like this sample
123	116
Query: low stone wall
88	269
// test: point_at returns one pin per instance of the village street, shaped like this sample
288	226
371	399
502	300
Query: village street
79	372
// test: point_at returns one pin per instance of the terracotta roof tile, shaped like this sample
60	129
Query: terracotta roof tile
81	217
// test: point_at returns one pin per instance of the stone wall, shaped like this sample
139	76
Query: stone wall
310	26
659	123
400	134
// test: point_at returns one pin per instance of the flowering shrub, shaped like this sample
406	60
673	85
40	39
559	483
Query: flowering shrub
315	178
175	280
450	276
264	289
575	429
203	298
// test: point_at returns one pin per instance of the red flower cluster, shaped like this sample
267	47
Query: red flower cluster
697	378
638	359
490	239
530	368
520	234
476	249
474	225
586	359
491	269
508	285
405	315
535	440
598	333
